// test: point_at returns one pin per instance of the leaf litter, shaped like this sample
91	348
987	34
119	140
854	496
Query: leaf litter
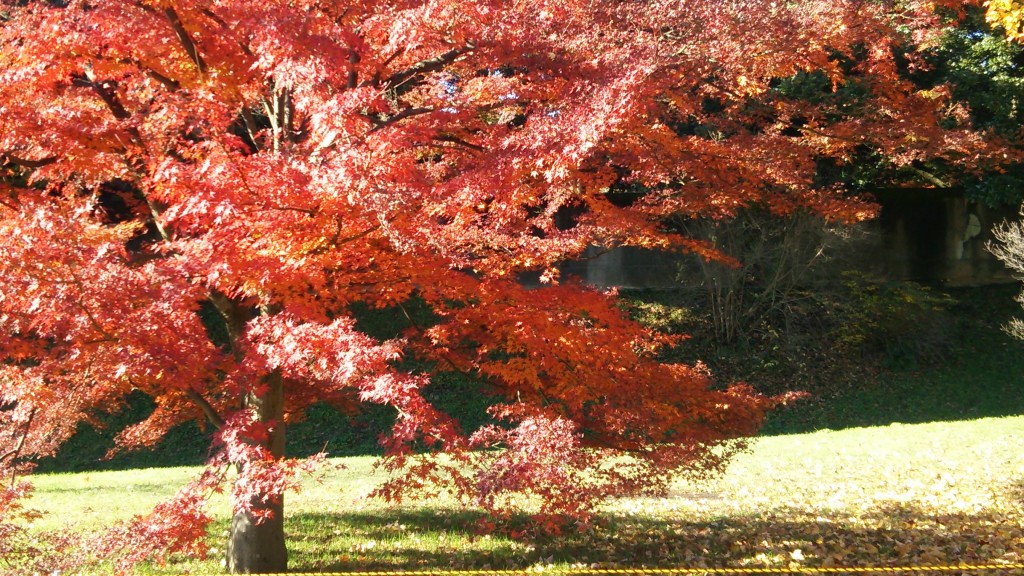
932	494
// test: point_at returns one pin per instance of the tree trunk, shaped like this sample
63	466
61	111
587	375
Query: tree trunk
260	548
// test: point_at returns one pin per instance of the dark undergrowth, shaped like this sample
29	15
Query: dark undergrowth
868	354
861	362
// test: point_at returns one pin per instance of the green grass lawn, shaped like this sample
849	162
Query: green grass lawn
890	495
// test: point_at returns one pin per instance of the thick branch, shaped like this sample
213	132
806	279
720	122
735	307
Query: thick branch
212	16
185	39
155	210
8	158
375	80
224	26
929	177
407	113
459	141
353	59
427	66
206	407
105	90
234	319
170	83
287	107
280	110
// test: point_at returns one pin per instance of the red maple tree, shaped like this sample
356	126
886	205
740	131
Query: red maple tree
285	161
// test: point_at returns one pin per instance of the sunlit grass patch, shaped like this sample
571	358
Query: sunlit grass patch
891	495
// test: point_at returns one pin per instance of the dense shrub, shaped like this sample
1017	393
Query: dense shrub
829	336
779	262
897	322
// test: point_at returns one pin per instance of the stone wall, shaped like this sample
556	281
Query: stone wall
937	238
926	235
625	268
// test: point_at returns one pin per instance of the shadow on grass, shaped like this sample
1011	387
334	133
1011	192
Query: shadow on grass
978	377
981	381
417	539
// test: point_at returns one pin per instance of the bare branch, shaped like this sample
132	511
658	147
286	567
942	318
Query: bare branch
206	407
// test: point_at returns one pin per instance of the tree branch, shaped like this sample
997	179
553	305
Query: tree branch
171	84
185	39
224	26
407	113
206	407
459	141
262	208
77	282
280	110
353	59
287	115
104	90
375	81
155	210
426	66
234	319
250	127
14	452
929	177
8	158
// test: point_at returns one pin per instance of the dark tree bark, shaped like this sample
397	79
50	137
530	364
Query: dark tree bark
259	548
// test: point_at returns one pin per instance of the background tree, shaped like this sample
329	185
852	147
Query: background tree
986	75
1009	247
281	164
1009	14
789	262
